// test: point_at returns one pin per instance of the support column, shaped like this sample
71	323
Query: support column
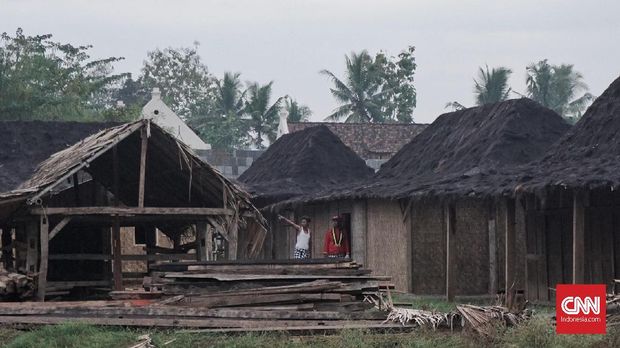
358	232
7	248
578	237
44	240
201	241
143	149
510	251
117	265
450	251
492	250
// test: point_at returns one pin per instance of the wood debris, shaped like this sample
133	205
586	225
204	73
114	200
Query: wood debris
15	286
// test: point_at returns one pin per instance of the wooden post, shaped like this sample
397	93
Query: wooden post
510	249
209	243
143	149
578	237
201	241
492	251
450	251
150	233
358	232
44	240
117	264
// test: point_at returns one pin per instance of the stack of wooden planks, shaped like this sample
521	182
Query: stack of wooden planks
15	286
232	296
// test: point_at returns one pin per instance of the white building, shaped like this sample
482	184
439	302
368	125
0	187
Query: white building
163	116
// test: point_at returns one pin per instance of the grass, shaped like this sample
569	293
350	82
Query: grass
538	332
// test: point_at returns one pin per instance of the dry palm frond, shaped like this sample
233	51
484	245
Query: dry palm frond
484	319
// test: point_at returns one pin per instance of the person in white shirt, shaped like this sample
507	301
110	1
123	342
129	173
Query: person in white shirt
302	247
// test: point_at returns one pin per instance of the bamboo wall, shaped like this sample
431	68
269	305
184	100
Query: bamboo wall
388	241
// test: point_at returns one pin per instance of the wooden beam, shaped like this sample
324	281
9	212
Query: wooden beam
117	265
450	251
44	240
491	228
510	250
130	211
59	227
132	257
143	149
578	237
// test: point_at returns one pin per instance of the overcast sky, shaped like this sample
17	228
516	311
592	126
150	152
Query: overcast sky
289	41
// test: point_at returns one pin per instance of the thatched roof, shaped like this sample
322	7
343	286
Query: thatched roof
461	153
368	140
25	144
175	176
587	156
307	161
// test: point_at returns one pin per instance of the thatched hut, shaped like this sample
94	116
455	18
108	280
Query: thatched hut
302	163
572	203
427	219
66	218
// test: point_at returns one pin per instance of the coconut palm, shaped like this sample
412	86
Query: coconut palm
263	115
558	87
492	85
296	112
229	96
358	94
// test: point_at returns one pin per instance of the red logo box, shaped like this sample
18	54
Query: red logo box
580	309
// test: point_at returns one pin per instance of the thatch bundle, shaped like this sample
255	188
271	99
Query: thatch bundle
15	286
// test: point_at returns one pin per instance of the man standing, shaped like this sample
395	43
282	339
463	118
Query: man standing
336	242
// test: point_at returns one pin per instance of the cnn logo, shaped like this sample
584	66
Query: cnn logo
574	305
581	309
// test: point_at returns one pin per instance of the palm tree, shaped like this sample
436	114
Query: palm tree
557	87
263	115
359	92
492	85
229	95
296	112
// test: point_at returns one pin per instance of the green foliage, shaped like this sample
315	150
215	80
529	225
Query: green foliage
492	85
296	112
375	90
398	97
219	118
558	87
263	115
74	335
182	78
46	80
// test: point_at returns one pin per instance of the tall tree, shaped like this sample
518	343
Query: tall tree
263	115
296	112
398	94
48	80
558	87
219	121
492	85
358	94
180	75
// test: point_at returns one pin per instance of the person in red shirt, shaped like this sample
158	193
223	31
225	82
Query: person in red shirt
336	242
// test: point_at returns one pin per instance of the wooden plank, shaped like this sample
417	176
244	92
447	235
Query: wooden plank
578	237
44	240
179	312
450	252
136	257
167	323
510	249
130	211
143	150
245	277
59	227
77	283
228	301
491	228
